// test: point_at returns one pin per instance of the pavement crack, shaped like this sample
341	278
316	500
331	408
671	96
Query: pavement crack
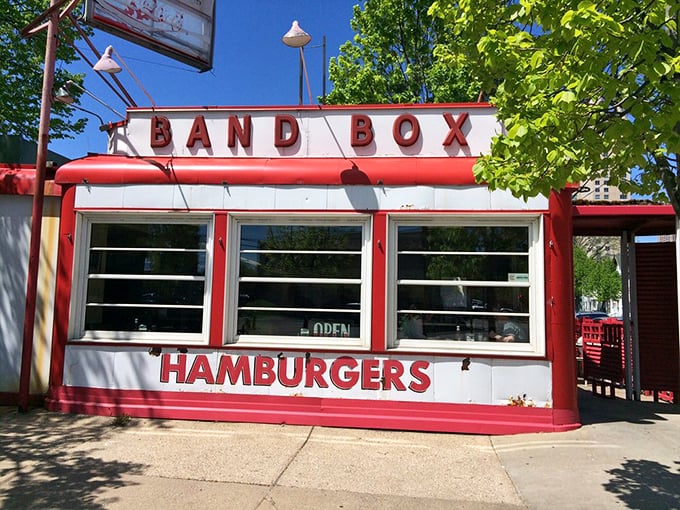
285	468
507	475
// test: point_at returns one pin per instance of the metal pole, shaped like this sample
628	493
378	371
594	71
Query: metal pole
626	301
323	87
37	211
300	88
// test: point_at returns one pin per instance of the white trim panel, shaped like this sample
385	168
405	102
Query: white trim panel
304	198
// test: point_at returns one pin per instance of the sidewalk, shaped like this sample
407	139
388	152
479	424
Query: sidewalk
627	455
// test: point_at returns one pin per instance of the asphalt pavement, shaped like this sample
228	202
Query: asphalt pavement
626	455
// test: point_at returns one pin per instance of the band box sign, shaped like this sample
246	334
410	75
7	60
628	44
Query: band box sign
318	132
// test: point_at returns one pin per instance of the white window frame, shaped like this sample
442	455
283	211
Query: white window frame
536	285
297	342
84	221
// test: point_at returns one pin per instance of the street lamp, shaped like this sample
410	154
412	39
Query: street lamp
298	38
106	64
63	95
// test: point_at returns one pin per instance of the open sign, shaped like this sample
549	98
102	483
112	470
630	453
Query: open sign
330	329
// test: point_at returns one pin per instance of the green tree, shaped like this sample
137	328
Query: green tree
390	59
584	89
595	276
21	74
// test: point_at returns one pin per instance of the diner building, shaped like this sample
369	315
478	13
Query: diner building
318	265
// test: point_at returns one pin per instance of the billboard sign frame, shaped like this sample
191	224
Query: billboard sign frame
180	29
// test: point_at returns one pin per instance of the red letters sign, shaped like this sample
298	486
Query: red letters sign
406	131
345	372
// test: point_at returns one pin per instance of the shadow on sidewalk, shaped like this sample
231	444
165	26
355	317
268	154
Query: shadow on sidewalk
50	461
645	484
596	409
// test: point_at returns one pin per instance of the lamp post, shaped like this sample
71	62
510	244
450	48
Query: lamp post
37	209
298	38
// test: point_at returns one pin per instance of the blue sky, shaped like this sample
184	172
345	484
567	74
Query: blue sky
251	66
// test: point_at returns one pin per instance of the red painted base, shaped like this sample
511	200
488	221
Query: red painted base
12	399
418	416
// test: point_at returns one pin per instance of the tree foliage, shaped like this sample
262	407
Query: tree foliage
21	73
391	58
585	89
595	276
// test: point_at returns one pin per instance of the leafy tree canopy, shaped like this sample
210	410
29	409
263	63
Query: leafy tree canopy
391	58
21	73
585	89
595	276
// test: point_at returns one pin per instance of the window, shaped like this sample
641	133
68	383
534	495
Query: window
143	279
300	281
466	284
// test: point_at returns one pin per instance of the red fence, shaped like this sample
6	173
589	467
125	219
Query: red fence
603	353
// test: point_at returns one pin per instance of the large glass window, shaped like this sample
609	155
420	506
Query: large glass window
144	278
300	279
465	279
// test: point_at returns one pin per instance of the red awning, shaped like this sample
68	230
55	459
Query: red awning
612	220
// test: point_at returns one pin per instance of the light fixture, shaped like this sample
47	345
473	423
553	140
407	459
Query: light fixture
106	64
298	38
63	95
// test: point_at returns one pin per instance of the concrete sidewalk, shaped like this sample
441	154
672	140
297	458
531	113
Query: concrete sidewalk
627	454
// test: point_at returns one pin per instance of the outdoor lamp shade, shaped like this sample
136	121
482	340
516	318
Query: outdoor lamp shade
296	37
64	96
106	64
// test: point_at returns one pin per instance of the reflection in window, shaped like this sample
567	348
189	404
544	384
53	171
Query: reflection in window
146	277
463	283
300	280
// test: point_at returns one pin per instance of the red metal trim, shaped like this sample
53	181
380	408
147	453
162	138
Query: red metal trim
329	412
20	180
378	283
67	233
112	169
219	277
560	302
628	210
363	107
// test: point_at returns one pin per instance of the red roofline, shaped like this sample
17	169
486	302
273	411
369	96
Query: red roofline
20	180
113	169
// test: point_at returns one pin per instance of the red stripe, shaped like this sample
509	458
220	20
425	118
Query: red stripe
110	169
422	416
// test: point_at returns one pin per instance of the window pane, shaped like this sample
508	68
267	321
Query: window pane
299	323
474	299
147	262
299	295
175	320
301	237
166	294
477	328
463	267
273	305
478	238
484	312
300	265
148	235
159	292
